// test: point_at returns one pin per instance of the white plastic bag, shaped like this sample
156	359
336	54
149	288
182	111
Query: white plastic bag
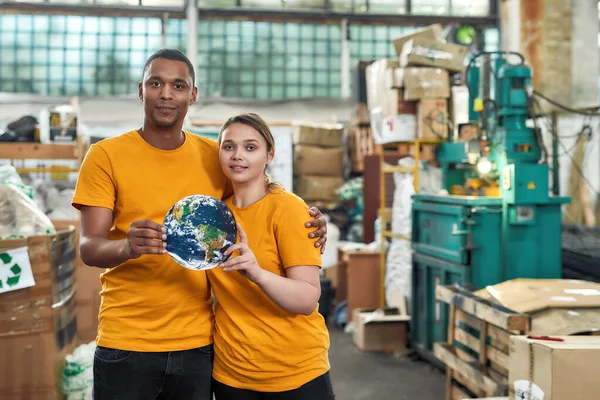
78	374
20	216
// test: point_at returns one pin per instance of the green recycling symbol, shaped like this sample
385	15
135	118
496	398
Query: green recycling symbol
15	269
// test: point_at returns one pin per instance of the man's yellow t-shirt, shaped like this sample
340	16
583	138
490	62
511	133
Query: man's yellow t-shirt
150	303
258	345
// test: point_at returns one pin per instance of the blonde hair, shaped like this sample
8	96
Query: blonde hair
256	122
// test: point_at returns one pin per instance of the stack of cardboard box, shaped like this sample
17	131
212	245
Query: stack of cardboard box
318	160
408	97
38	324
360	139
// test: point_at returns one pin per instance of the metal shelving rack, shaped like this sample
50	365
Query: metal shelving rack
385	213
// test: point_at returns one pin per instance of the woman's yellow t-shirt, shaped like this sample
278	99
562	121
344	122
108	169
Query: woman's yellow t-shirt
258	345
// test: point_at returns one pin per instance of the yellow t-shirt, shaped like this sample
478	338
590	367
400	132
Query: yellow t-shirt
150	303
258	345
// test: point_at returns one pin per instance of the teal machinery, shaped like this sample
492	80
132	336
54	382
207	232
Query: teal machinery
475	241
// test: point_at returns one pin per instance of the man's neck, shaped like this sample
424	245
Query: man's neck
247	193
163	138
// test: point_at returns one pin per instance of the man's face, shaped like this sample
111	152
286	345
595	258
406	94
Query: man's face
167	91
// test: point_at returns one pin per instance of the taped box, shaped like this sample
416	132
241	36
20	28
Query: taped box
432	117
423	83
383	329
554	368
318	188
318	134
431	53
315	160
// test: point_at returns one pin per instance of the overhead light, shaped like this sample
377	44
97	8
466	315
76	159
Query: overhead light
484	165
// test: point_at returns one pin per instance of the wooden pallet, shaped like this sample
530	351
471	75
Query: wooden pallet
476	355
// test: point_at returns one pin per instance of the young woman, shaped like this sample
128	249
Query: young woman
270	341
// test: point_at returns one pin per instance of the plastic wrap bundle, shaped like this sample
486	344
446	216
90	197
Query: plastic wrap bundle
398	275
20	216
54	199
399	261
78	374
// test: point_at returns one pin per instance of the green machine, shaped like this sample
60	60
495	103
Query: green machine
475	241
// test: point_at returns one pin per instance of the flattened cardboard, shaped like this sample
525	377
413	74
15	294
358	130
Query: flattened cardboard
556	306
431	53
433	32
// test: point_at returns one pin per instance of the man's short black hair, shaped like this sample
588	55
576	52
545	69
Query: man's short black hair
171	54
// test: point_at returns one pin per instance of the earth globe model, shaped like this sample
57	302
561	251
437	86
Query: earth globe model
199	230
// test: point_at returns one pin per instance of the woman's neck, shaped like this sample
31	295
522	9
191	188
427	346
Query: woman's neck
247	193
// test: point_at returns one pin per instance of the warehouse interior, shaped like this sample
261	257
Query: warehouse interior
451	145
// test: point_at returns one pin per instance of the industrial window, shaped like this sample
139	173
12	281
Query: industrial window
269	60
74	55
68	55
369	43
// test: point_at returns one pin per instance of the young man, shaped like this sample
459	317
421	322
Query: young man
156	318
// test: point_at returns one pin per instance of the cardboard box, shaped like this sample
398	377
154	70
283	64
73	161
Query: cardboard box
556	306
423	83
315	160
459	107
318	188
431	53
550	370
376	81
432	115
394	78
380	329
433	32
395	128
395	103
358	278
317	134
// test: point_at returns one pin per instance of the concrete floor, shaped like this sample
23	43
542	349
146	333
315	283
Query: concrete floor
358	375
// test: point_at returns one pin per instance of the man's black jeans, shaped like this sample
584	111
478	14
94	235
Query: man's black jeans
130	375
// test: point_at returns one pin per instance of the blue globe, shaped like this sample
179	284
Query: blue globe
199	230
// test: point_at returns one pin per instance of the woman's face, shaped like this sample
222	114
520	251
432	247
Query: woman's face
243	153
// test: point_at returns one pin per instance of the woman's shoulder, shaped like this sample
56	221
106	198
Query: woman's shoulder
286	200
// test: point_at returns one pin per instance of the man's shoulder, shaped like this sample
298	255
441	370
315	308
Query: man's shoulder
117	142
202	141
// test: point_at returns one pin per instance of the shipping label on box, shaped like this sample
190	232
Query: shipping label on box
318	188
431	53
423	83
317	134
432	117
394	128
315	160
